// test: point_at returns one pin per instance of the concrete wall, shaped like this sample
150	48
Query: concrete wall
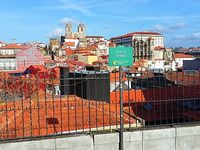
180	138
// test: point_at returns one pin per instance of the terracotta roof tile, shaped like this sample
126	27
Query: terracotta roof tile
181	55
14	46
54	116
136	33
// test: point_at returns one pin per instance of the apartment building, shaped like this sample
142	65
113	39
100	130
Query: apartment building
8	56
142	42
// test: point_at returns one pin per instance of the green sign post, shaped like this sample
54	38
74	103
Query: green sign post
121	56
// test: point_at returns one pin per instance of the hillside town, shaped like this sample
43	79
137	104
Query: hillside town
99	75
77	50
68	85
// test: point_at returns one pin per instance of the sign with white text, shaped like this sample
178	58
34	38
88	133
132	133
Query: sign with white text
120	56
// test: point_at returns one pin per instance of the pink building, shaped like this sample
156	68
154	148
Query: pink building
30	56
16	57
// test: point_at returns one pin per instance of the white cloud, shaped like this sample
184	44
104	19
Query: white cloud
168	29
193	36
76	6
66	20
56	32
196	35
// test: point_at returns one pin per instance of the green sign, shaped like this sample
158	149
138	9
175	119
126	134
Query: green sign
120	56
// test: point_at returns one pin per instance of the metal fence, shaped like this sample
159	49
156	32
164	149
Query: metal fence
35	105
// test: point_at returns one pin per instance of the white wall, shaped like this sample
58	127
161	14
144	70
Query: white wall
158	54
174	138
75	41
179	61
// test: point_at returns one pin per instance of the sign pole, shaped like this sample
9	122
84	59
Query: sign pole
121	147
121	56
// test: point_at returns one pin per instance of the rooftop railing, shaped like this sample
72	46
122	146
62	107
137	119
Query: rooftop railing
33	105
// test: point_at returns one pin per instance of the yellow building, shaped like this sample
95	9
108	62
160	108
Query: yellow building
87	58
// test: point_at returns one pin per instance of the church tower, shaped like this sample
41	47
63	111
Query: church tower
68	30
81	30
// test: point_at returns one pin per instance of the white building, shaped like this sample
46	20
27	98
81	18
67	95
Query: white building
2	44
94	39
157	39
143	43
8	57
102	48
179	58
79	35
71	43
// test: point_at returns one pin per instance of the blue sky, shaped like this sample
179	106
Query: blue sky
37	20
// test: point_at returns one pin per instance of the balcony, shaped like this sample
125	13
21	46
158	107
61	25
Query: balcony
7	55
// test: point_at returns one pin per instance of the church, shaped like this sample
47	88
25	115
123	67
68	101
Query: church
78	37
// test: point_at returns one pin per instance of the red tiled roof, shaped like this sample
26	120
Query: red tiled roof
13	46
55	72
158	48
40	67
70	43
137	33
184	79
156	112
181	55
53	116
94	36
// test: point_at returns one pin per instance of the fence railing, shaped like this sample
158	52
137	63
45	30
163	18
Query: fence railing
32	105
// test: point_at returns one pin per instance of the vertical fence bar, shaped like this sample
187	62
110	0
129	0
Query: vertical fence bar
121	109
129	105
5	99
61	107
96	105
82	106
183	96
13	80
141	96
134	106
30	106
154	99
159	95
177	96
172	97
110	122
148	96
116	98
165	96
103	111
22	95
38	102
45	107
75	103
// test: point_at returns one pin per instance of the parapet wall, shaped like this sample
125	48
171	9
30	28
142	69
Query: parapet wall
174	138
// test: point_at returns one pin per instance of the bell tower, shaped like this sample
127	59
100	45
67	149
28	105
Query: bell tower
68	30
81	30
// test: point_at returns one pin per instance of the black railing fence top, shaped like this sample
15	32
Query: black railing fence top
33	105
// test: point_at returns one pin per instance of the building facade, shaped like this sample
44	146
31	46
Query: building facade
80	34
8	57
142	42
